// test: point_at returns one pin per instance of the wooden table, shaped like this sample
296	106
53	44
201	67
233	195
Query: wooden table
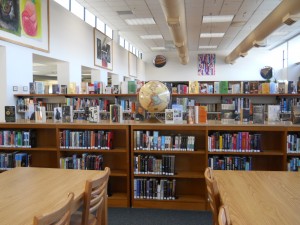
25	192
260	197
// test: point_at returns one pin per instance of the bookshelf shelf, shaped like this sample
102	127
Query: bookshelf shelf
188	168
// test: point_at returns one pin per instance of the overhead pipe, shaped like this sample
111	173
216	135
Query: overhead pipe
174	11
272	22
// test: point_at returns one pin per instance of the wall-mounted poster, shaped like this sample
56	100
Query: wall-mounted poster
206	64
103	50
26	23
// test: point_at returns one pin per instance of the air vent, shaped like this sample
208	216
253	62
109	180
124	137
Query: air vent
122	13
173	22
290	19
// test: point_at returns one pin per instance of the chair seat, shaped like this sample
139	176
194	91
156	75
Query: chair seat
76	219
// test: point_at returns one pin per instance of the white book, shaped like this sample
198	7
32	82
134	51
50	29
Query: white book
94	114
40	114
216	87
273	113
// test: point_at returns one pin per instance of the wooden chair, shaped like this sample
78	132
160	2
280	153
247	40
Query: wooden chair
223	217
213	193
94	202
60	216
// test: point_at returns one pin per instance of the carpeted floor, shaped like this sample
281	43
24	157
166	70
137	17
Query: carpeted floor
136	216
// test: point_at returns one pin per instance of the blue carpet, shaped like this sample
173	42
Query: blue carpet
137	216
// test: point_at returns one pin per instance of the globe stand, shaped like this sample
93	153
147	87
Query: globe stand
153	119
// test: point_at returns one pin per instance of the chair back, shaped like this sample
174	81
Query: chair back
224	218
213	193
60	216
95	198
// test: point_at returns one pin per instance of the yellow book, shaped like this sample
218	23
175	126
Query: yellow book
193	87
265	88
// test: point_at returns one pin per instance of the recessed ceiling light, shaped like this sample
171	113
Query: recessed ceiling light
157	36
140	21
211	35
217	19
208	46
158	48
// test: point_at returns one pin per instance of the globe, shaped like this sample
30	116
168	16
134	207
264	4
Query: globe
154	96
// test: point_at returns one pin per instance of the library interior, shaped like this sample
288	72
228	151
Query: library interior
167	106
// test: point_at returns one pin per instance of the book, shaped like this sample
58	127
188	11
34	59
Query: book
40	114
273	113
131	87
190	115
46	89
55	89
253	85
140	114
258	114
72	88
265	88
124	87
32	88
10	113
84	88
202	117
108	90
203	88
216	87
57	114
29	113
39	87
274	88
291	87
281	88
178	113
93	114
116	113
116	89
227	112
67	114
236	88
246	87
296	114
193	87
169	116
223	85
63	89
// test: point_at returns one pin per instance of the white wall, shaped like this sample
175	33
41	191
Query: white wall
246	68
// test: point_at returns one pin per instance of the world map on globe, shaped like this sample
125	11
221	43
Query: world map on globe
154	96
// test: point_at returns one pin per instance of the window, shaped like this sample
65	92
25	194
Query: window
108	32
100	26
122	41
64	3
126	45
89	18
77	9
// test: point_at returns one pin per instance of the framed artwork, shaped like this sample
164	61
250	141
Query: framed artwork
103	50
206	64
25	23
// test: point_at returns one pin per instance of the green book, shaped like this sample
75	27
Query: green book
223	85
131	87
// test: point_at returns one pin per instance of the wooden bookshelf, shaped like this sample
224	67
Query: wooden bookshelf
189	168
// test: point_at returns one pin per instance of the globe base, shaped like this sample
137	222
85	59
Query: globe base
153	119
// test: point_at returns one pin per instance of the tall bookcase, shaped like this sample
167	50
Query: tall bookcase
189	168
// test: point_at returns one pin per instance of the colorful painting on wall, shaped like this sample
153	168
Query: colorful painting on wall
10	16
25	22
206	64
103	50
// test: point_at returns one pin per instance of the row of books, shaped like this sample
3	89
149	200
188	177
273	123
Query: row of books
152	140
86	139
96	87
148	164
233	87
159	189
85	162
234	142
230	163
293	164
18	138
293	143
14	159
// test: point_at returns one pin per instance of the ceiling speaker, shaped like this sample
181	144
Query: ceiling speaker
290	19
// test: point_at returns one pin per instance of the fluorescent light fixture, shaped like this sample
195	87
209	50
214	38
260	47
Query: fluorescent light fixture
158	48
217	19
157	36
208	46
140	21
211	35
